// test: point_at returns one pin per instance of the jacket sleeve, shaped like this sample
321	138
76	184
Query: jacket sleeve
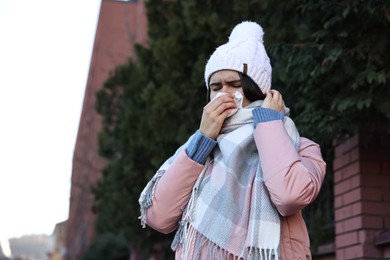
293	178
172	193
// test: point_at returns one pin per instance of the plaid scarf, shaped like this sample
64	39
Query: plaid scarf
229	212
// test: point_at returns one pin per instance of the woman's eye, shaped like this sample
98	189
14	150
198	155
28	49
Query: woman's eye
215	87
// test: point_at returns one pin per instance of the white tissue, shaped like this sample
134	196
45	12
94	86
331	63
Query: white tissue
238	98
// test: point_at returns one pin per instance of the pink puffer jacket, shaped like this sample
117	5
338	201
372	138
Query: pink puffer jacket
293	180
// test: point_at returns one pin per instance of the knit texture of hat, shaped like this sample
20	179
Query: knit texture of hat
244	52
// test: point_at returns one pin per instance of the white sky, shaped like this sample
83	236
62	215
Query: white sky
45	51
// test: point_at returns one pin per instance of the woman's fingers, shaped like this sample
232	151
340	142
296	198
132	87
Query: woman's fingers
274	100
276	95
214	114
218	106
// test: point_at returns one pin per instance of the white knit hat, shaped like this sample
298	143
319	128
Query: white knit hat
244	52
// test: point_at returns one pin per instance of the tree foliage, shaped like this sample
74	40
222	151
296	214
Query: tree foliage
330	61
108	246
338	73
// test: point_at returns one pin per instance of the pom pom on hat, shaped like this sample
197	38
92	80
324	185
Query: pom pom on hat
244	52
247	30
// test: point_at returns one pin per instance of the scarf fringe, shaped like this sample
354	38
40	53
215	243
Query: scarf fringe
189	213
146	198
195	244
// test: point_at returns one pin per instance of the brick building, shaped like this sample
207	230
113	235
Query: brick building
121	24
362	194
361	165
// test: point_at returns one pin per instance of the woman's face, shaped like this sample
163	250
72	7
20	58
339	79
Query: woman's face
227	81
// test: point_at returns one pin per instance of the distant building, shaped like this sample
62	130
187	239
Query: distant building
121	25
30	247
58	250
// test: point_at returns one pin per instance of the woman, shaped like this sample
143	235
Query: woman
236	188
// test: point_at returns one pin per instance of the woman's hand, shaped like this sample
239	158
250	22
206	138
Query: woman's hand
274	100
215	113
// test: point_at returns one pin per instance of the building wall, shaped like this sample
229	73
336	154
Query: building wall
120	26
362	194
